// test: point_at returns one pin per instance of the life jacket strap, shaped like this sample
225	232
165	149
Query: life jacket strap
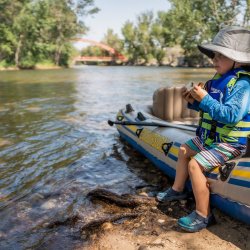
212	133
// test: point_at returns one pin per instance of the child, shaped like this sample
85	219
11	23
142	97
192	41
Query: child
224	124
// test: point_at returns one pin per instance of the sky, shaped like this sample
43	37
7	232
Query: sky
114	13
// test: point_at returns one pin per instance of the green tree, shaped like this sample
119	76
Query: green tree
93	51
131	45
163	35
32	31
144	34
197	21
24	29
8	39
111	39
138	39
246	18
64	24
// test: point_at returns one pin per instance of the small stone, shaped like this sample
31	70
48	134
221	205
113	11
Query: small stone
170	209
171	240
183	202
155	232
84	236
49	204
4	142
33	109
2	234
142	247
107	226
137	225
143	194
154	208
93	236
37	197
161	221
157	242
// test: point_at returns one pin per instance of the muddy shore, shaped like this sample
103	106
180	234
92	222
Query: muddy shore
155	227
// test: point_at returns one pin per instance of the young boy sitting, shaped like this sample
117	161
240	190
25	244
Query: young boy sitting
225	117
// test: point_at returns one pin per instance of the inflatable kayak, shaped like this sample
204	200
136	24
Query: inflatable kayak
159	140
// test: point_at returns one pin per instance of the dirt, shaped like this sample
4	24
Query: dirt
156	228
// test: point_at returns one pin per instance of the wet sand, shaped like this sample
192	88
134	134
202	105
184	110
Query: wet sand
156	228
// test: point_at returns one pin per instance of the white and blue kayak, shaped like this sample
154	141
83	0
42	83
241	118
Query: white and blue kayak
160	140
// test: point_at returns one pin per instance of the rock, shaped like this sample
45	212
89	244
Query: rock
142	247
161	221
155	232
143	194
183	202
154	208
107	226
36	197
93	237
126	222
49	204
33	109
2	234
84	236
170	209
4	142
136	225
158	242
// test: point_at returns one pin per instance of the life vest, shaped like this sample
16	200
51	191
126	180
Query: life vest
210	130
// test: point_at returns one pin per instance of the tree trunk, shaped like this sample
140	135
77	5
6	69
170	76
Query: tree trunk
18	50
246	18
58	55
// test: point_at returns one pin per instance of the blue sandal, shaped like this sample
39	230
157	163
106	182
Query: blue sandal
194	222
171	195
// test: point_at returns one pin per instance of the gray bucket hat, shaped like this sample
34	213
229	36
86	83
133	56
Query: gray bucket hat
232	42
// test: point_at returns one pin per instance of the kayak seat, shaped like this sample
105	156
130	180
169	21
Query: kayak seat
169	105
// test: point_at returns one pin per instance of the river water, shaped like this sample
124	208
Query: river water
56	146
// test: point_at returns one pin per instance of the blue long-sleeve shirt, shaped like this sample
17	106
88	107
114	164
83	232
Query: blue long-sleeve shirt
234	107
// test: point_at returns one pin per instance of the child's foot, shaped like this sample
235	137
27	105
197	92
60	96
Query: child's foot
194	222
171	195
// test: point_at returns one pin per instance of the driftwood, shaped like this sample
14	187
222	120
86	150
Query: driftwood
128	201
67	221
92	224
98	222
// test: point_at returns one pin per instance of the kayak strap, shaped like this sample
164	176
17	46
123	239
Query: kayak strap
226	170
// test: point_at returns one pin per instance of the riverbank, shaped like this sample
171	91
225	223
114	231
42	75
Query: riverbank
56	147
156	229
44	67
37	67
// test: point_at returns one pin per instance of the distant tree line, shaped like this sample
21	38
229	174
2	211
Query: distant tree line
187	23
39	31
36	32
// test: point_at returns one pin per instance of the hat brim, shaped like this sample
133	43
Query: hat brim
237	56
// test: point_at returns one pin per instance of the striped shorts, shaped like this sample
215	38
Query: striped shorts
215	155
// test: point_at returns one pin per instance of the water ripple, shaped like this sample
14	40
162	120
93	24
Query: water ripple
56	145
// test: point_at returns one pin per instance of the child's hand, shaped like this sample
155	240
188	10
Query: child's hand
198	93
187	96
